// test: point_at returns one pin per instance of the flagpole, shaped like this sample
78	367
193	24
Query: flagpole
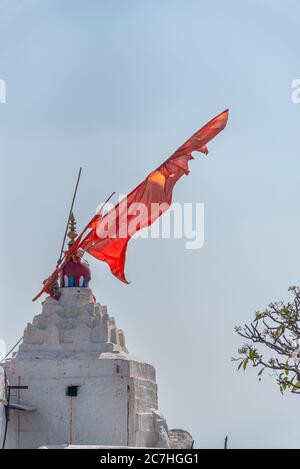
70	213
76	243
95	217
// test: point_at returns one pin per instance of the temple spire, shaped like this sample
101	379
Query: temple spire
72	233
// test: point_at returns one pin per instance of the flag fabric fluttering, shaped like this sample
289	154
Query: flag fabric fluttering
109	234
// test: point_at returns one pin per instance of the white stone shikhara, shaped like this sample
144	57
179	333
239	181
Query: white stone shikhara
74	323
74	342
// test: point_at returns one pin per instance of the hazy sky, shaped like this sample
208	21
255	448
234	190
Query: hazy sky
115	86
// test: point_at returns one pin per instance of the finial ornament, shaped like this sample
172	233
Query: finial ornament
72	234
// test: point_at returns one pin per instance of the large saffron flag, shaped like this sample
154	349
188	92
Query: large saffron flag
109	234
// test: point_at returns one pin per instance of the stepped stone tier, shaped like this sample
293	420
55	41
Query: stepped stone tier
84	387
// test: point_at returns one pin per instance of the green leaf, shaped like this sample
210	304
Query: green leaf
297	385
245	363
260	315
278	332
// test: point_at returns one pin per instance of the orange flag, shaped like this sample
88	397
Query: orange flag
109	235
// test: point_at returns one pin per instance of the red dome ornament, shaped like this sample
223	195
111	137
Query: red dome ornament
76	272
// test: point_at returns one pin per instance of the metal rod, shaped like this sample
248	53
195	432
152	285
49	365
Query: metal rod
8	353
77	243
70	213
19	415
95	217
6	408
18	387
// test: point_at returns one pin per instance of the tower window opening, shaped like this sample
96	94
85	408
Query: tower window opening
72	391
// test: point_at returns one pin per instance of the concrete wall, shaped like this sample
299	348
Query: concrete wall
104	412
75	343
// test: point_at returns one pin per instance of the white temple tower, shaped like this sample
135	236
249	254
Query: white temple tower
73	382
84	388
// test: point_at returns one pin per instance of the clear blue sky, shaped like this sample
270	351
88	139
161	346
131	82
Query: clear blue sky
115	86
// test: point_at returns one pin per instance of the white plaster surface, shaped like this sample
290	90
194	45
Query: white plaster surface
180	439
75	342
2	402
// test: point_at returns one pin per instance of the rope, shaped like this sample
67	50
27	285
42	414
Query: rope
11	350
6	407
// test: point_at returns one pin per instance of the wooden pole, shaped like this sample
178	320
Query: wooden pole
99	213
70	213
77	241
